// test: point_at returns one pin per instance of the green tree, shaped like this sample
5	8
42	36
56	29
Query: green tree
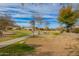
68	17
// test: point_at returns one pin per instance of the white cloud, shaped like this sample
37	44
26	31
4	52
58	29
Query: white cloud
21	15
16	10
49	16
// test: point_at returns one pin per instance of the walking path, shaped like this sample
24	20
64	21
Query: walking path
60	45
9	42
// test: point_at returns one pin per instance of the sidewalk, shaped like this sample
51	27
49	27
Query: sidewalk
9	42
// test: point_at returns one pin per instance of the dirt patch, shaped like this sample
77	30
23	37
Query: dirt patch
60	45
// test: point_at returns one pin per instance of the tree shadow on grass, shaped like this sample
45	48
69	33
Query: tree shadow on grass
37	36
34	45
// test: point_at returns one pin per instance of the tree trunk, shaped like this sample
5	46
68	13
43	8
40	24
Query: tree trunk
68	28
62	31
1	33
33	33
33	30
39	32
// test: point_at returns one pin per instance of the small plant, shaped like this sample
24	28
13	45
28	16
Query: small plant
56	33
76	30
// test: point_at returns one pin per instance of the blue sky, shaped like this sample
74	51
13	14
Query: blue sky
22	15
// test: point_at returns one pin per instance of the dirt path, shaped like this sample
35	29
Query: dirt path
54	45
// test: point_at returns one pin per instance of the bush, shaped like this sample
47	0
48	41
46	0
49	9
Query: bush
76	30
56	33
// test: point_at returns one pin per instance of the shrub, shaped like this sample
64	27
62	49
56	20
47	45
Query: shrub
76	30
56	33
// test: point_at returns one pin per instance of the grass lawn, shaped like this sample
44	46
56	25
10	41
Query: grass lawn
55	32
16	50
19	33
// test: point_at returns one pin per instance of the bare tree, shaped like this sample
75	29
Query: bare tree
5	22
47	25
32	22
39	21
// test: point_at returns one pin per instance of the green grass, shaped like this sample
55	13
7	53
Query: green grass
16	50
19	33
56	33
